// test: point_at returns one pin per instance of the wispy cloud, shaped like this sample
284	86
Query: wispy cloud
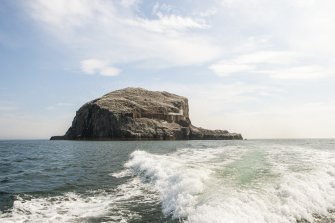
170	24
268	57
225	69
274	64
108	30
62	14
95	66
165	35
300	72
128	3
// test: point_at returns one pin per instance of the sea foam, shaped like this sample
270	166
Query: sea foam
93	206
193	186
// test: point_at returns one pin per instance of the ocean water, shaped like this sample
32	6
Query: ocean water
253	181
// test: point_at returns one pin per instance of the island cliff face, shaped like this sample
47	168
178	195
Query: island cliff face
138	114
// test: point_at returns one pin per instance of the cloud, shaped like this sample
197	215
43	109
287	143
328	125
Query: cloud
274	64
168	24
272	38
61	14
300	72
253	62
95	66
128	3
268	57
107	29
160	35
226	69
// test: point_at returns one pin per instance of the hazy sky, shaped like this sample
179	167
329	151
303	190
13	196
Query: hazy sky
265	68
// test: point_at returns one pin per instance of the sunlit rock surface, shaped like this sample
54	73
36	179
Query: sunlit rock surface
138	114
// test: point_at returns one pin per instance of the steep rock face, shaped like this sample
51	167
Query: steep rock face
136	113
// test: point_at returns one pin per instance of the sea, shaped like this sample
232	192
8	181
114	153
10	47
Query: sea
247	181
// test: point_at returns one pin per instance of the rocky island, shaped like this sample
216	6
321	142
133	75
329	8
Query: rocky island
138	114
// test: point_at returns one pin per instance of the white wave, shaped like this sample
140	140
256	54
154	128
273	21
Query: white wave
107	206
121	174
177	185
179	178
301	184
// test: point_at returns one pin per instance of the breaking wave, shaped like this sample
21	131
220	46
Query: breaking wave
239	185
93	206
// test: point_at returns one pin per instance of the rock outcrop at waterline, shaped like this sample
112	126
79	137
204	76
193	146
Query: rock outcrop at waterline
138	114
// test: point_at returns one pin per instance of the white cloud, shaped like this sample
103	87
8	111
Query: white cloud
253	62
168	24
268	57
95	66
300	72
303	26
128	3
61	14
103	29
298	39
226	69
172	36
275	64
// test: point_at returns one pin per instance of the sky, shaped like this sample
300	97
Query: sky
263	68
